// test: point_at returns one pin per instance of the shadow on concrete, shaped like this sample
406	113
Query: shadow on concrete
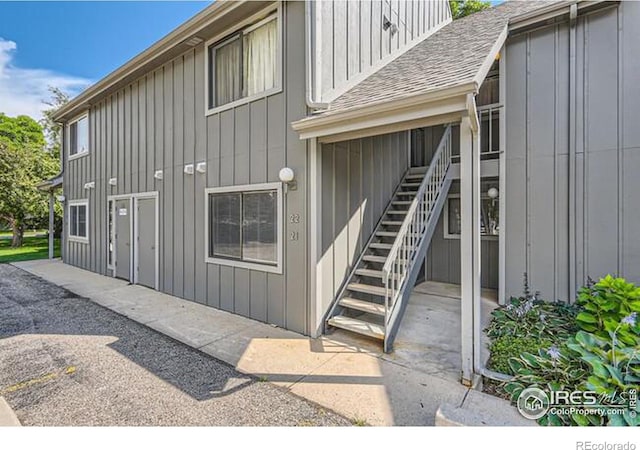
30	305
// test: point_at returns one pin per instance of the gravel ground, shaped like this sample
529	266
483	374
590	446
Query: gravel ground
67	361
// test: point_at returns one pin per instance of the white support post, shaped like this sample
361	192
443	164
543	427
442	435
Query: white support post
51	222
502	199
316	311
470	250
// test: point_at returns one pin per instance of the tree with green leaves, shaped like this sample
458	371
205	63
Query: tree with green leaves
24	162
462	8
52	129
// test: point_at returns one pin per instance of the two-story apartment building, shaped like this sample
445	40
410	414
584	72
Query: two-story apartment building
305	163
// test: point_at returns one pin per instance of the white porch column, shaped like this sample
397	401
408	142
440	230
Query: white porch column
470	248
52	200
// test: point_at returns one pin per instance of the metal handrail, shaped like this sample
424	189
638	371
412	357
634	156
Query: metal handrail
402	254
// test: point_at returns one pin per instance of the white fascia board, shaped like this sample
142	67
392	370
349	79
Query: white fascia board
412	108
491	57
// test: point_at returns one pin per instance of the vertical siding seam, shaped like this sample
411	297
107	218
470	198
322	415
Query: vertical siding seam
555	161
585	153
527	158
620	143
333	46
361	197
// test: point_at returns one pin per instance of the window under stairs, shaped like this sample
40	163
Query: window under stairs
375	293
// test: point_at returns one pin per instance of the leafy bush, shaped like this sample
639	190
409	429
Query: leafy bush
529	317
606	304
506	347
604	356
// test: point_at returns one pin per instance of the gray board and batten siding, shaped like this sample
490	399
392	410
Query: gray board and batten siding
350	40
158	123
546	205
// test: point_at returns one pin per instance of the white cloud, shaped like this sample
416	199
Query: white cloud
24	90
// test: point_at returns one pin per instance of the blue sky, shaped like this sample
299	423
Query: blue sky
73	44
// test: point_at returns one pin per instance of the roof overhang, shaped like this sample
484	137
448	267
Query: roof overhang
438	106
219	16
51	184
431	108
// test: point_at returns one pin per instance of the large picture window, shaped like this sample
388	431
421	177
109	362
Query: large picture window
244	226
244	65
78	220
79	136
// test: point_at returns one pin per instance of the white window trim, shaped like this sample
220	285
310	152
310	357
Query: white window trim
278	267
447	235
73	238
71	157
111	234
251	23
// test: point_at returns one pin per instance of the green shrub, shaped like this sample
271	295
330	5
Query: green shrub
606	303
604	356
506	347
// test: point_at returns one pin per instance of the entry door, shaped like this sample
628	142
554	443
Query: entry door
123	239
146	242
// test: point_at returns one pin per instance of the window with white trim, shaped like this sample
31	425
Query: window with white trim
78	220
244	226
245	64
79	136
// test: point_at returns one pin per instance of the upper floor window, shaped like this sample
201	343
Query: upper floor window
79	136
244	65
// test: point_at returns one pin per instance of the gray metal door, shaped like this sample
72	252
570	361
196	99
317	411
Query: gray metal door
146	241
123	239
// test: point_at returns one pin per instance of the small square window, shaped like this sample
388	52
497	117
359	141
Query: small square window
78	220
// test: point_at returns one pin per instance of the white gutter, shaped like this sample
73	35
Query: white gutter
555	10
310	68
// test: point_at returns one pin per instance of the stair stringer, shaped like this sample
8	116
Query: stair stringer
335	307
395	318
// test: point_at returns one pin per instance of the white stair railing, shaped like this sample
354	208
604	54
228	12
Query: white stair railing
404	252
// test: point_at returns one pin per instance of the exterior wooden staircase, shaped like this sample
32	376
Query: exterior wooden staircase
372	300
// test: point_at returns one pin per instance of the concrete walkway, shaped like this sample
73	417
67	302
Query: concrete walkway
347	375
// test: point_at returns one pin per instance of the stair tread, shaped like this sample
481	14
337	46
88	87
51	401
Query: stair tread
411	184
381	245
393	223
367	289
362	305
369	273
419	169
375	258
406	192
387	233
396	212
401	202
358	326
413	176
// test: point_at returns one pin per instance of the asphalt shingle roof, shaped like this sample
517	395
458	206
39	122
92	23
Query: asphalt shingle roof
452	56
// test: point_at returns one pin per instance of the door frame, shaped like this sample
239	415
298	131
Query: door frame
134	233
